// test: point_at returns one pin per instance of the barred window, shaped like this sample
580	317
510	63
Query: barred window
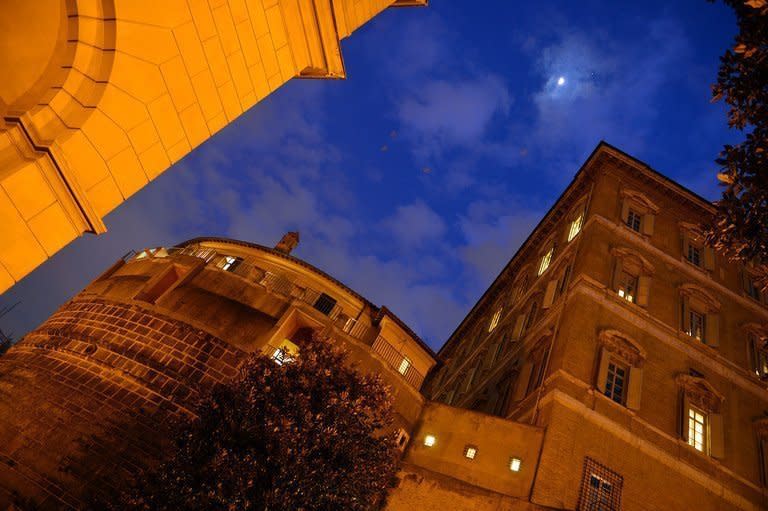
325	304
600	488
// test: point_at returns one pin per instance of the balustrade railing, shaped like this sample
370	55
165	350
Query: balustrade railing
272	282
398	361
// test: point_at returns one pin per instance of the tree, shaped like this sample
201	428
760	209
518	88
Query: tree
740	226
305	434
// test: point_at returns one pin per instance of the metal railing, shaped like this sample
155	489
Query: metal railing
398	361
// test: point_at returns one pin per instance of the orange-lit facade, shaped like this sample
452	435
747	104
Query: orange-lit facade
99	97
616	363
86	397
636	349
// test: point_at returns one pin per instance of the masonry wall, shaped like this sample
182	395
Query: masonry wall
86	397
107	94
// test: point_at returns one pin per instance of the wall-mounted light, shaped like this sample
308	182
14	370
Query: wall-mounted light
470	452
430	440
514	464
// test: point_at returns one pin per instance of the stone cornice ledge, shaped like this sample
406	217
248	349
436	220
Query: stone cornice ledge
701	353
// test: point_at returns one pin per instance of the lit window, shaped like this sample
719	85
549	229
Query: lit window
633	220
627	286
470	452
697	422
514	464
694	255
575	226
545	260
759	356
229	263
280	356
698	325
284	353
494	320
404	365
429	440
616	382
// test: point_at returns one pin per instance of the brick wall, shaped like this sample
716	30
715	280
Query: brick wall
101	380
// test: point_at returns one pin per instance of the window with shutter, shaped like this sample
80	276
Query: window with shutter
701	420
631	275
620	373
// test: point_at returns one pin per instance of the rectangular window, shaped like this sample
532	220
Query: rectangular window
404	365
600	488
697	423
616	381
627	286
753	289
495	320
470	451
575	226
698	325
325	304
634	220
564	280
545	260
229	263
694	255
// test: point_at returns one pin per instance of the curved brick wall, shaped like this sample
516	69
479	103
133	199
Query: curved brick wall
98	380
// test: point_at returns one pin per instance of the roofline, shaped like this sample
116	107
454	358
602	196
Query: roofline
379	311
601	147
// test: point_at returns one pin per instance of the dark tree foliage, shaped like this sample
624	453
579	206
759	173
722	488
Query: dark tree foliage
304	435
740	226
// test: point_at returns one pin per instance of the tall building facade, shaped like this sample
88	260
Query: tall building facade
99	97
85	399
616	363
636	349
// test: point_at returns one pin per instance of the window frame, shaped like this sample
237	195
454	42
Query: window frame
692	415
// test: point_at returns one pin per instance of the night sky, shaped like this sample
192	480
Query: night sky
415	180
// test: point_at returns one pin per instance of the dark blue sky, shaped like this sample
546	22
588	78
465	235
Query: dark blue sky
415	180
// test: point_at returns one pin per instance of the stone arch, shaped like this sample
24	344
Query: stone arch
64	72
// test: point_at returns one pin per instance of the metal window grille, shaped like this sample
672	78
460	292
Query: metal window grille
600	488
325	304
633	220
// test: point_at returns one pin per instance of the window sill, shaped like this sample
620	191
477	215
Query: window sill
619	406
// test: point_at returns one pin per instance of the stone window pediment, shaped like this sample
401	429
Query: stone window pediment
623	346
640	201
632	260
700	393
698	296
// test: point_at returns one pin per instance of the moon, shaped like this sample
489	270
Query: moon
561	81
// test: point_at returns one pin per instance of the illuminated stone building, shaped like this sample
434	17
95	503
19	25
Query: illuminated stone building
616	363
85	397
99	97
639	352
